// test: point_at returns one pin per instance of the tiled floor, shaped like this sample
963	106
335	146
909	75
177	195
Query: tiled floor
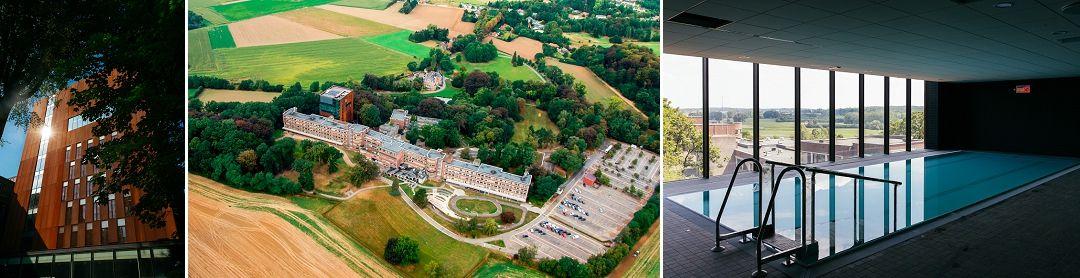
688	237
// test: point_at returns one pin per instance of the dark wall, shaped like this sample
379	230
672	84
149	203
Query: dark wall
991	116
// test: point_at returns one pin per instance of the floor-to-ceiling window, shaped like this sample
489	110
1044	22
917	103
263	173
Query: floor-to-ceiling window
777	116
731	114
874	115
683	111
918	114
897	115
814	114
847	115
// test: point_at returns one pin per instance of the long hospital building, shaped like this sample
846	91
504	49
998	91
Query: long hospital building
52	227
390	152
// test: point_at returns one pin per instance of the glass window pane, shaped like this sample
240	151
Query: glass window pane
874	121
897	114
731	103
126	264
682	116
918	91
847	115
814	114
777	96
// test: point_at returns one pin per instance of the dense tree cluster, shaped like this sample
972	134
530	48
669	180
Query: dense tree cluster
571	161
437	60
633	69
480	52
432	32
402	250
545	184
408	6
487	21
393	82
514	157
196	21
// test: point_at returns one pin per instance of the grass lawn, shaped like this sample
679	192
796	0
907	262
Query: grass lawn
367	4
202	7
770	128
315	204
337	60
220	37
504	268
200	55
499	243
337	23
254	8
449	92
476	206
532	117
580	39
373	217
502	65
399	41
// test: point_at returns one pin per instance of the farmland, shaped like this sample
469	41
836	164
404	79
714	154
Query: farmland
199	55
209	95
399	41
339	60
373	217
220	37
202	7
337	23
367	4
506	70
582	39
597	90
272	29
236	11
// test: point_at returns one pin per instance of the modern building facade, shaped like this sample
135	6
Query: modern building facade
337	102
390	152
53	227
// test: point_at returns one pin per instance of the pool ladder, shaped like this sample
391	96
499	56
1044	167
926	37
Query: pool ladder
807	251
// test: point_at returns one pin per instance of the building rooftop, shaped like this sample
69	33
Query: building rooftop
493	170
326	121
336	92
399	114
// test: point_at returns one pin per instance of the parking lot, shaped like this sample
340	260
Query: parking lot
549	244
631	165
605	210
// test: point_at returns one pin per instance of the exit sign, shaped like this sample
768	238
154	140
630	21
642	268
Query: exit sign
1023	89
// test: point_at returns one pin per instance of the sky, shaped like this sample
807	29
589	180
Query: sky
11	150
731	85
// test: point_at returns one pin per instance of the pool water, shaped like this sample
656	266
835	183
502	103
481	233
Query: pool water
849	212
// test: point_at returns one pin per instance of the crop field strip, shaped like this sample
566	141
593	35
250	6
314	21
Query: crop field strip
237	11
220	37
367	4
200	56
327	60
337	23
272	29
399	41
202	7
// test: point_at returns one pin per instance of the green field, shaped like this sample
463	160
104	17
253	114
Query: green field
220	37
476	206
367	4
338	60
337	23
505	269
399	41
200	56
373	217
580	39
316	204
193	93
202	7
254	8
506	70
449	92
532	117
771	128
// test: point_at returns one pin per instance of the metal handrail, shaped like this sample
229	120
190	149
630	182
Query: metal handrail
769	209
758	168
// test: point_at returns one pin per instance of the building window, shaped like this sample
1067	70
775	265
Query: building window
78	151
74	235
71	169
89	235
814	114
82	210
104	232
127	199
918	114
60	238
847	115
97	210
67	153
77	188
121	230
67	216
874	115
776	89
112	205
897	115
731	103
63	194
89	185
